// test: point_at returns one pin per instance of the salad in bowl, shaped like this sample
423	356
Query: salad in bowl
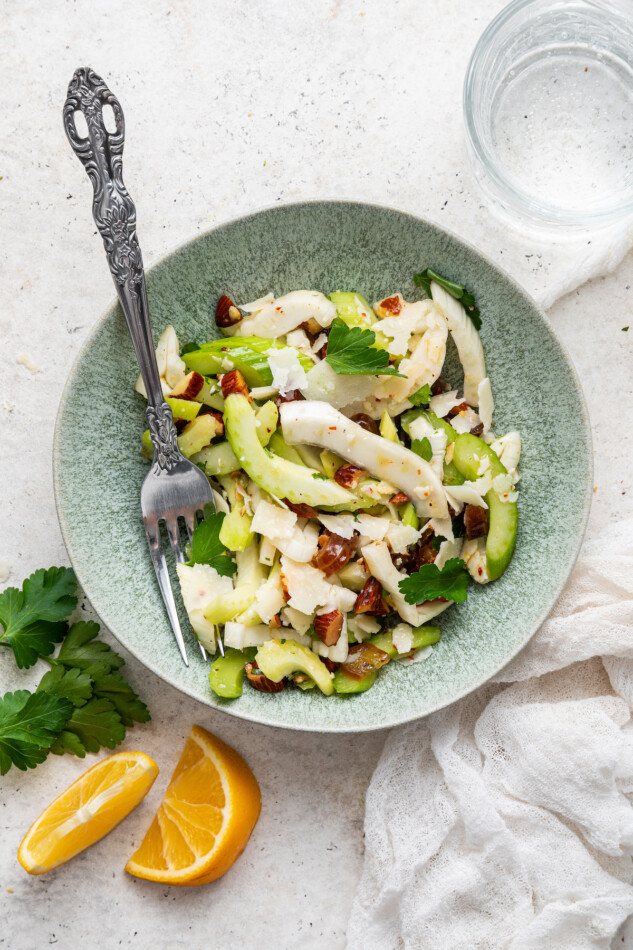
357	493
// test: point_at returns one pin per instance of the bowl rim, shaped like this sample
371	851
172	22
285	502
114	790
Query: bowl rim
233	709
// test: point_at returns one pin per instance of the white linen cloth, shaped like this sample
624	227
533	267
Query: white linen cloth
505	820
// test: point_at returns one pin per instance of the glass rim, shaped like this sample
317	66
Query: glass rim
509	189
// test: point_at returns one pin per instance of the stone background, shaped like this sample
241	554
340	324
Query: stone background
229	108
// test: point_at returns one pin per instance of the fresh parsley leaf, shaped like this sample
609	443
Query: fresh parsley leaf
97	724
422	397
29	723
189	348
72	684
206	547
68	742
430	582
458	291
319	476
350	352
81	650
113	687
34	617
422	447
625	329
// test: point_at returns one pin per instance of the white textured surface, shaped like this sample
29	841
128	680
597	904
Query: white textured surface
230	108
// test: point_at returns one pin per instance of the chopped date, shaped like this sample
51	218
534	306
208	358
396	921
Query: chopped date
260	682
334	552
365	422
475	521
300	509
293	395
363	659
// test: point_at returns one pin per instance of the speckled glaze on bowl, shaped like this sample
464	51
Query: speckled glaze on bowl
326	246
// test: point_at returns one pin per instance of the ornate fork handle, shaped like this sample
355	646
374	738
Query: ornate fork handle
101	154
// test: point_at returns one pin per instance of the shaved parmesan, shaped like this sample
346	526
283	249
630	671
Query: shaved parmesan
465	420
412	319
301	341
322	383
273	522
266	551
269	599
373	527
401	536
504	487
486	403
239	636
402	638
288	373
319	343
367	624
448	550
284	314
421	428
343	525
306	585
444	402
467	494
508	450
297	620
425	363
474	554
419	655
302	544
443	527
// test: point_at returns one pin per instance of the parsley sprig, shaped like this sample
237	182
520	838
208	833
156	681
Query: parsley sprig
206	547
351	352
82	703
458	291
430	582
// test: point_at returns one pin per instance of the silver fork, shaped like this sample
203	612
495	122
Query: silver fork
174	486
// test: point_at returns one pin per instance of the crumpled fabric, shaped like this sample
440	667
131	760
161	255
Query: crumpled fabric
506	820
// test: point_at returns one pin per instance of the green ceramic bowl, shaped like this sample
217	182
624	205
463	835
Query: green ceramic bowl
326	246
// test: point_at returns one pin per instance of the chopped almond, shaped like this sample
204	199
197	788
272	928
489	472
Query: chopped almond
370	601
226	313
234	382
399	499
189	387
349	475
328	627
